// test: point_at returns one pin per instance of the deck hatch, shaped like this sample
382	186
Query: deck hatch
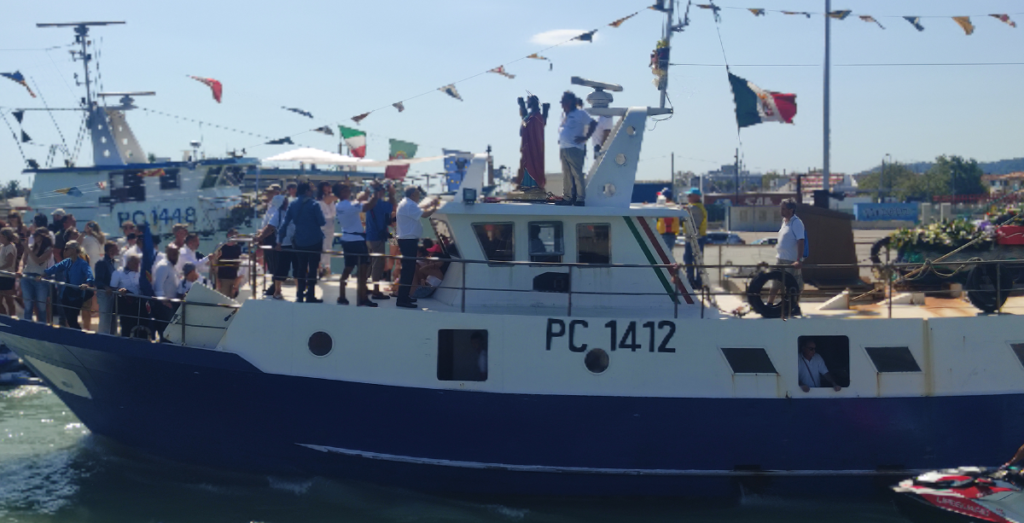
745	360
893	359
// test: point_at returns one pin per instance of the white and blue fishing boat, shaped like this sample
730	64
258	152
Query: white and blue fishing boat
124	184
560	354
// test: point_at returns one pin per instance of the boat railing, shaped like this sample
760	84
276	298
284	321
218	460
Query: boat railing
893	275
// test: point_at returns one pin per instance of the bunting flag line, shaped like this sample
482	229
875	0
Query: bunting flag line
25	137
215	86
586	37
915	21
70	191
618	22
18	115
869	18
398	105
19	78
756	11
840	15
965	23
298	111
501	70
282	141
755	105
360	117
355	140
450	91
805	13
325	130
399	150
1005	19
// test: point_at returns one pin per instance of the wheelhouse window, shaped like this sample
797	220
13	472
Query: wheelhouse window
127	186
594	243
445	237
546	243
833	352
170	179
210	180
496	240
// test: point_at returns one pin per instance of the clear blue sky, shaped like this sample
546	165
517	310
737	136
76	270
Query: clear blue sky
339	59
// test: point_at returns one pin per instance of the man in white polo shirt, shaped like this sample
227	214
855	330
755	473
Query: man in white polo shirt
408	230
812	371
577	127
790	251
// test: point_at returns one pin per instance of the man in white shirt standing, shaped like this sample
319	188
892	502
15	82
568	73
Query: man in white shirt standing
790	252
812	368
353	241
408	231
577	127
601	134
165	285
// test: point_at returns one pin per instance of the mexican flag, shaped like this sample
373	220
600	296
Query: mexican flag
355	140
755	105
399	150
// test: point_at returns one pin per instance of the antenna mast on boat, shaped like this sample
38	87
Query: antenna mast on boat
825	171
104	152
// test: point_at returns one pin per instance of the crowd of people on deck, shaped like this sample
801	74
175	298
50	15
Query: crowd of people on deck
298	230
55	273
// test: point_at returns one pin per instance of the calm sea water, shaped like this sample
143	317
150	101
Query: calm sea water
53	470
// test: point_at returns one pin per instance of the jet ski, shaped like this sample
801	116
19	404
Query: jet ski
965	494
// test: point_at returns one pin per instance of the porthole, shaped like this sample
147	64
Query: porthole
631	130
609	189
320	343
596	361
620	159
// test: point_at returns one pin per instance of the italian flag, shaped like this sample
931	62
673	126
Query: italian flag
355	140
755	105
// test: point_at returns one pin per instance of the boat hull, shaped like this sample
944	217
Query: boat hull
215	408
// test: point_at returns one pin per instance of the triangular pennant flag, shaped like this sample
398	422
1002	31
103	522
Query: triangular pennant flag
805	13
586	37
151	173
298	111
450	91
398	105
25	137
869	18
18	77
18	115
215	86
282	141
915	21
1005	19
355	140
756	11
840	15
325	130
360	117
965	23
501	70
755	105
623	19
536	56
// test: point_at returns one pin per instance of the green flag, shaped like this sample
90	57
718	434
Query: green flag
399	150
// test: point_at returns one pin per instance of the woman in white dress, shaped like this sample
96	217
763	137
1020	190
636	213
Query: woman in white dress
92	243
327	201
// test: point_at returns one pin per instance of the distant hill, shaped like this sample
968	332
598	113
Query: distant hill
996	167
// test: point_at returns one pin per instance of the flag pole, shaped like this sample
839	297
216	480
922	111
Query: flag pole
825	171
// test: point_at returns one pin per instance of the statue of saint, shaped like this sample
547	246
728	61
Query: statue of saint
531	132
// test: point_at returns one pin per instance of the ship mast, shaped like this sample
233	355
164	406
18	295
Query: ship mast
825	171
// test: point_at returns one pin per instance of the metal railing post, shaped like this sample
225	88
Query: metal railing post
999	287
464	267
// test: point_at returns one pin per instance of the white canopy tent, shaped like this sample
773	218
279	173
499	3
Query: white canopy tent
311	156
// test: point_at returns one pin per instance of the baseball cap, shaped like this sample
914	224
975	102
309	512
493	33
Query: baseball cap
693	190
58	213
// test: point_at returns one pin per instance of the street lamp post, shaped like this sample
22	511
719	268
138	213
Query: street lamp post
887	155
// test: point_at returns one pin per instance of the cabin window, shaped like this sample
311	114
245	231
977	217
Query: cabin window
127	186
749	361
461	355
210	180
1018	350
170	179
834	352
232	177
892	359
496	240
445	237
594	243
546	243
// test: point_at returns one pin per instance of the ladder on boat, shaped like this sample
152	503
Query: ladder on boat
698	255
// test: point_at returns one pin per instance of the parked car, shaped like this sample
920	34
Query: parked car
766	241
730	238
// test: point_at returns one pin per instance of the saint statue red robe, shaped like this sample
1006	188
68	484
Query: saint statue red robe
531	159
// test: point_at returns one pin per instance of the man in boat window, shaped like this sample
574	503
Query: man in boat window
577	127
812	370
790	252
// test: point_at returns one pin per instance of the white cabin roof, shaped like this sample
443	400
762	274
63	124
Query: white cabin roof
454	208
